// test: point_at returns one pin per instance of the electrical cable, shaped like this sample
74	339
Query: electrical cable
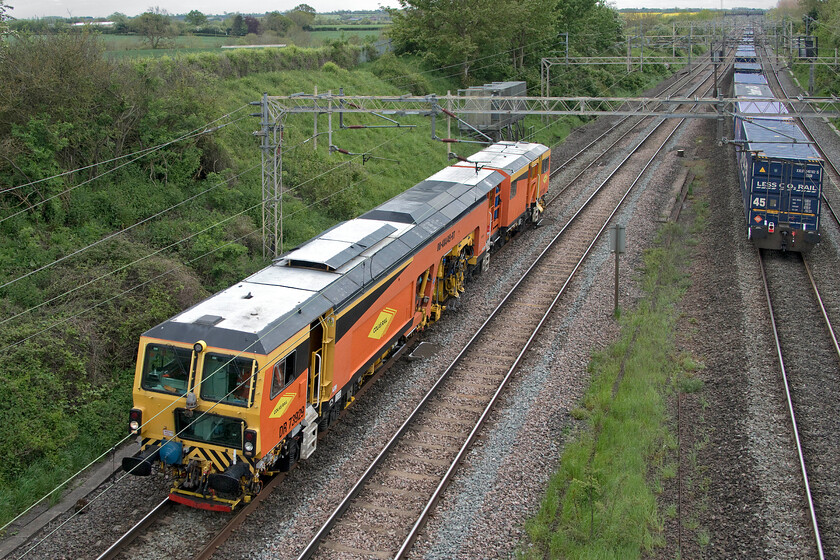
117	233
123	440
123	267
143	153
124	230
52	326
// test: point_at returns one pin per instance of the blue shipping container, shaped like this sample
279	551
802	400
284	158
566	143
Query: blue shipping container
748	67
741	78
781	183
755	91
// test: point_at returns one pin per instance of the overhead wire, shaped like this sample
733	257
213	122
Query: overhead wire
141	154
132	263
114	235
156	252
126	438
189	237
145	151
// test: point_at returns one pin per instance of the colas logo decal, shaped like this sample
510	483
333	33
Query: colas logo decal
282	404
380	327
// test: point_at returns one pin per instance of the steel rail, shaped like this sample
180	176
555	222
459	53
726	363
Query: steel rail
822	307
606	150
222	536
328	525
132	533
790	410
676	85
237	520
414	533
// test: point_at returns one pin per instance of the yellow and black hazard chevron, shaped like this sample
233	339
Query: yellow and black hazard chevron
221	459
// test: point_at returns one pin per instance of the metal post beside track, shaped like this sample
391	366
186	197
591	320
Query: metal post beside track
617	246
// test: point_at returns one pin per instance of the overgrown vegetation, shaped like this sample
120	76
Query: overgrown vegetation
165	154
820	21
482	40
602	501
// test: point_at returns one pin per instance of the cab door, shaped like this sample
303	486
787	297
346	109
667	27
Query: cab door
533	181
321	352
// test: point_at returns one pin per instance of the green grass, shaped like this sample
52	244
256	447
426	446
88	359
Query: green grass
133	46
119	46
75	381
346	34
602	501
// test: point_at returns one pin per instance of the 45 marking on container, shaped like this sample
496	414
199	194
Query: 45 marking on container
380	327
282	404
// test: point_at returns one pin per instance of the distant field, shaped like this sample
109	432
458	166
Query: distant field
346	34
119	46
133	45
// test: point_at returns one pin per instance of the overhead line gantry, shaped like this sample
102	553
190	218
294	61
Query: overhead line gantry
275	108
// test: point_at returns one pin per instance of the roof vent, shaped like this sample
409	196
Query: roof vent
209	320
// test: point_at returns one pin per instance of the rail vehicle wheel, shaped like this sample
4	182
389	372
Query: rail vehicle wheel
324	421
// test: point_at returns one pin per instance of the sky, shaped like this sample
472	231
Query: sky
27	9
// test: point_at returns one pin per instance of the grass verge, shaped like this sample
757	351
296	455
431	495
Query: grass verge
602	500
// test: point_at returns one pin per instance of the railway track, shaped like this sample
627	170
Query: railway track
159	511
386	509
778	86
809	361
151	522
808	357
223	533
674	87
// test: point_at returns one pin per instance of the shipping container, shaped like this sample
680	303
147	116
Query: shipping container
748	67
741	78
753	91
745	55
781	183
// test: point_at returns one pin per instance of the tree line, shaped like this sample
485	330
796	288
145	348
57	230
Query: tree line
157	27
504	39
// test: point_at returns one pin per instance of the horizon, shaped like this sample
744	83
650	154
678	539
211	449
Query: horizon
35	9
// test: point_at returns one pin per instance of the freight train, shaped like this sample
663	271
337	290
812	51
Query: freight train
780	171
237	387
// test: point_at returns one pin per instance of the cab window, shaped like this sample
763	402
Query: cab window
227	379
209	428
166	369
283	374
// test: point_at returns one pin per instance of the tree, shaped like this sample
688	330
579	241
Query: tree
277	22
303	16
195	18
237	28
121	22
252	24
4	18
506	36
155	27
452	32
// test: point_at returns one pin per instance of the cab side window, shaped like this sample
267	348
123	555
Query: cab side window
282	375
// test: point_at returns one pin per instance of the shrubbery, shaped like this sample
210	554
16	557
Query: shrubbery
67	361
